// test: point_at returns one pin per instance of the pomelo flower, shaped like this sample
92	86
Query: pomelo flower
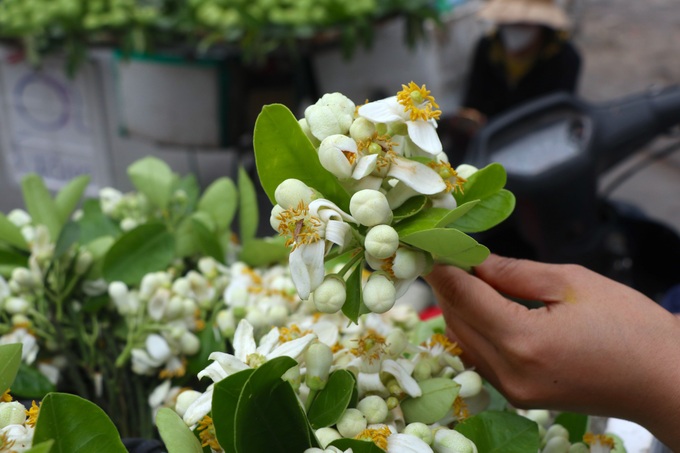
312	229
414	107
393	442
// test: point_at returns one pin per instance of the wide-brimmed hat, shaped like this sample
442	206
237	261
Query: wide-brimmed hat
542	12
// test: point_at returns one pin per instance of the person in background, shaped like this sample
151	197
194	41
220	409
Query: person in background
595	346
527	55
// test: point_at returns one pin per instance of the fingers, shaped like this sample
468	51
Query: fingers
524	279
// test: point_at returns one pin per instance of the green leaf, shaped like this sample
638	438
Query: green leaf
69	235
331	402
30	383
357	446
433	218
449	246
11	234
76	425
185	241
11	259
437	398
225	400
262	252
425	329
248	217
501	432
68	197
191	188
576	424
410	207
352	307
154	178
482	183
10	359
95	224
43	447
269	417
176	435
283	151
488	213
220	201
147	248
207	241
40	205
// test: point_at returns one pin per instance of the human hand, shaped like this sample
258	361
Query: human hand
596	347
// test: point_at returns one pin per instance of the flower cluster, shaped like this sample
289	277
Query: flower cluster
384	154
16	424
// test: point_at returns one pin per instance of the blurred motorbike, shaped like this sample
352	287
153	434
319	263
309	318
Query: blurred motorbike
554	150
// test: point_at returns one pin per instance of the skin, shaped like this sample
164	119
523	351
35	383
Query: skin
595	347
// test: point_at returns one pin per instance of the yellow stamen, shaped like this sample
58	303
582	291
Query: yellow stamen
336	347
291	333
168	373
449	175
440	339
370	347
599	439
350	156
418	102
32	414
5	444
207	433
376	435
299	225
460	409
6	397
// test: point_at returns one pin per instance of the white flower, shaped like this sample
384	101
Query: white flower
332	114
340	155
19	437
312	230
109	199
406	443
450	441
414	107
28	342
246	355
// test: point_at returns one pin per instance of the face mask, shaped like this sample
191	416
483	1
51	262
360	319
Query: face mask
518	37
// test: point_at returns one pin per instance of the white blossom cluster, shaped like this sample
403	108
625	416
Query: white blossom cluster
17	425
131	209
383	153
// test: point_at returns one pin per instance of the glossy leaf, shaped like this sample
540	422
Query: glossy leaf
357	446
488	213
40	205
206	239
269	417
576	424
11	234
225	400
483	183
449	246
433	218
154	178
411	207
147	248
248	216
283	151
63	418
220	201
261	252
43	447
501	432
69	235
437	398
185	242
176	435
94	224
30	383
69	196
10	359
352	307
331	402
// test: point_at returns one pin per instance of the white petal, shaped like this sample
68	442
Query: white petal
406	443
365	166
369	182
417	176
386	110
444	200
199	408
299	273
371	383
404	379
336	232
228	362
214	371
244	341
327	332
268	342
424	135
293	348
317	207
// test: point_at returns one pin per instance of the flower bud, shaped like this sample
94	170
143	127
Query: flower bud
374	409
292	376
379	293
396	342
361	129
370	207
381	241
23	277
304	125
465	170
326	436
291	192
408	263
351	423
579	447
318	358
12	413
19	217
189	343
184	400
337	154
330	295
158	348
450	441
83	262
332	114
555	431
422	371
16	305
470	383
128	224
421	431
540	416
557	445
